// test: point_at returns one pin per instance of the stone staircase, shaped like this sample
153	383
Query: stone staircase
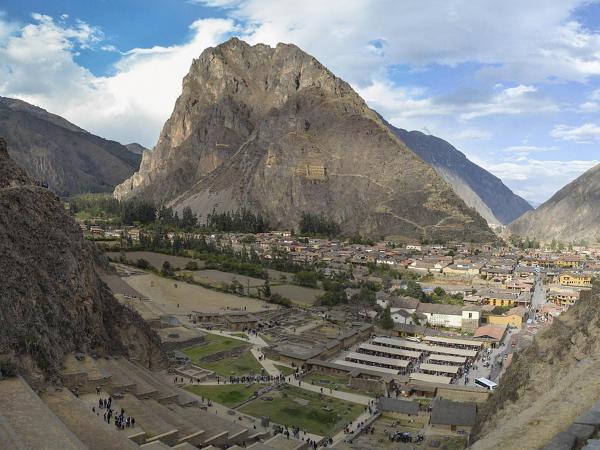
27	423
165	416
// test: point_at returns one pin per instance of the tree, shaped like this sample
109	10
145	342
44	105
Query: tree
385	320
266	290
307	278
188	219
363	300
167	270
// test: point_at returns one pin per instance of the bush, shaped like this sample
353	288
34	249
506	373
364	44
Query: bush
191	265
279	299
8	367
142	264
307	278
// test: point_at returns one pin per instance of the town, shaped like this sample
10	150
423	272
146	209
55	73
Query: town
419	334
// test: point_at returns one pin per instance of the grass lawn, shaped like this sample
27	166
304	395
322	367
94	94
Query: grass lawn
304	409
245	364
229	395
285	370
214	344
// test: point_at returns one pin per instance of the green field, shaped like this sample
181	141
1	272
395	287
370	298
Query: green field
229	395
214	344
245	364
304	409
285	370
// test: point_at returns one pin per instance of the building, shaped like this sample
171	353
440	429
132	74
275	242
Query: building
240	322
398	408
514	317
452	416
494	334
451	316
579	279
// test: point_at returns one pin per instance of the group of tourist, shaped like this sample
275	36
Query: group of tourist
296	433
121	422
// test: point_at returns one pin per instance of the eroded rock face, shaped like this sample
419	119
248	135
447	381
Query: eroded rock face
548	385
273	130
11	174
52	301
573	213
52	150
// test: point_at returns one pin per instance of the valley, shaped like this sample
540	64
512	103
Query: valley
211	239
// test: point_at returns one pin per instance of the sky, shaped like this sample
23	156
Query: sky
514	85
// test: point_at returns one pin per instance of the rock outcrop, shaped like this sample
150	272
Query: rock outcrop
476	186
549	384
52	300
573	213
272	130
52	150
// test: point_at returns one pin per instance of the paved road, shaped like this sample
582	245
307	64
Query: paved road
539	296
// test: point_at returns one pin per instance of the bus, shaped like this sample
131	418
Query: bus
485	383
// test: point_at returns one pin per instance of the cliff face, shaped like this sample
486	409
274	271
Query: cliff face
273	130
549	384
476	186
52	301
572	213
69	159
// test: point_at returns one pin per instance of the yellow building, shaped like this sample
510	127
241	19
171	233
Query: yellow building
501	300
575	279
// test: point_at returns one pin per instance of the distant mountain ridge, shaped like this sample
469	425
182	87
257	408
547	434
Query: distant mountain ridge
476	186
134	147
573	213
271	129
52	149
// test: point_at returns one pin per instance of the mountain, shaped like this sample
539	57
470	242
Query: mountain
53	150
476	186
52	301
272	130
136	148
573	213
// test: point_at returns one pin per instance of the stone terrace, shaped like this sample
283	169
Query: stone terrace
165	416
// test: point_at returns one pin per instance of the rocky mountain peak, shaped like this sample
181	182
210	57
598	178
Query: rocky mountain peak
273	130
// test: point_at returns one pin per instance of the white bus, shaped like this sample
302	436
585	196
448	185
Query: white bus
485	383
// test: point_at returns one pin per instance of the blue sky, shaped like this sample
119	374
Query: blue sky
512	84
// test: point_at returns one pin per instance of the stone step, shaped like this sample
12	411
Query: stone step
164	390
217	429
33	424
151	423
188	431
89	427
140	388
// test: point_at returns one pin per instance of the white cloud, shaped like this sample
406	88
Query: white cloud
37	65
398	103
585	133
536	180
519	41
592	103
526	149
